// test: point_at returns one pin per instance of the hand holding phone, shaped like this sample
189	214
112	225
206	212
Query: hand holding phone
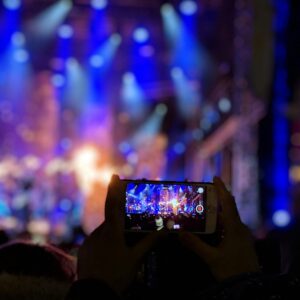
154	205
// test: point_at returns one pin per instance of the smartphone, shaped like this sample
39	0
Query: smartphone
154	205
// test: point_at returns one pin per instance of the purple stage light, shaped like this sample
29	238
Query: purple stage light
65	31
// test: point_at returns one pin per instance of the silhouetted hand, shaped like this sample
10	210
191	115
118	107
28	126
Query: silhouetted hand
236	253
104	254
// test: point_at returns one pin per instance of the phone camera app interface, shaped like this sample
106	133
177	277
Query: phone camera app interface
156	206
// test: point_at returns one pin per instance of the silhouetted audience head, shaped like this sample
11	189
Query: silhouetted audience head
28	259
30	271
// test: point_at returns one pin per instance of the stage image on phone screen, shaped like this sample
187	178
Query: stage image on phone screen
173	206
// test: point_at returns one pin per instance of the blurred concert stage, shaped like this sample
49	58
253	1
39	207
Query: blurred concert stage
144	89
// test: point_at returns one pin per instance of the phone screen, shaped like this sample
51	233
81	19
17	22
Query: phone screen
154	206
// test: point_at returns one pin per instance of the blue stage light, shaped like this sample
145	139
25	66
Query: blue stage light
281	218
12	4
177	73
65	31
146	51
179	148
96	61
21	55
116	39
18	39
141	35
47	22
58	80
224	105
188	7
98	4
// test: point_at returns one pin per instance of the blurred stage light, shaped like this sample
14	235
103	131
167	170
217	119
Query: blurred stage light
152	125
124	147
167	9
116	39
147	51
187	97
18	39
133	158
141	35
179	148
224	105
197	134
98	4
12	4
105	54
58	80
129	78
96	61
65	31
49	20
188	7
281	218
176	73
161	109
172	22
65	205
21	55
133	97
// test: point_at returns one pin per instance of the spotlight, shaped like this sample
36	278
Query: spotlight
179	148
141	35
224	105
58	80
128	78
96	61
21	55
18	39
281	218
188	7
98	4
65	31
116	39
167	9
176	73
12	4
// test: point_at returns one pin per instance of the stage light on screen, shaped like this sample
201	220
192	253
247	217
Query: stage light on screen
12	4
98	4
281	218
141	35
65	31
188	7
224	105
18	39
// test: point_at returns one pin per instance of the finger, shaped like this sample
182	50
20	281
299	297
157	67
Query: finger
143	247
229	212
115	204
192	242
